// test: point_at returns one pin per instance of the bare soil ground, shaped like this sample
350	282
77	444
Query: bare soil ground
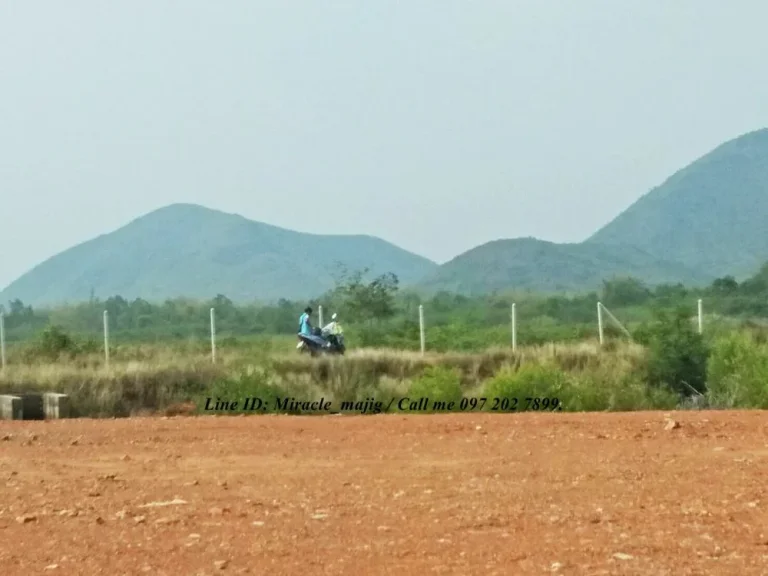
396	494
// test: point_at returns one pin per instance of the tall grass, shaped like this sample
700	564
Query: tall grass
155	377
738	372
580	376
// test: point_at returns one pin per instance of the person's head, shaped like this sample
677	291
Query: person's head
308	310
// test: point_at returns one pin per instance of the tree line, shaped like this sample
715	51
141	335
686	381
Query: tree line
380	306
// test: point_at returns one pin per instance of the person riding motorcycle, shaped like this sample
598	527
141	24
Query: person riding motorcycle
332	330
332	327
305	325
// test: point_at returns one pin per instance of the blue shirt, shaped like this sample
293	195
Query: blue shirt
304	326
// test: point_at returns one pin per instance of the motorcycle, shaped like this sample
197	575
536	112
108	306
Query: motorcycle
329	340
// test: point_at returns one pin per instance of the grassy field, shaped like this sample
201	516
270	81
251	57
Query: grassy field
578	376
160	352
666	364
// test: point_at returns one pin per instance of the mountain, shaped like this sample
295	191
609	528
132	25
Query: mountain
712	215
708	220
192	251
532	264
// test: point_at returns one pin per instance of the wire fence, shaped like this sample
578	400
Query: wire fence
601	313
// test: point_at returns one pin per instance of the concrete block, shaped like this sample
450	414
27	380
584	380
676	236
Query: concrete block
32	406
11	407
55	405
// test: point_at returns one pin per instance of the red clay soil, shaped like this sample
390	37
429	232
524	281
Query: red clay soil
391	494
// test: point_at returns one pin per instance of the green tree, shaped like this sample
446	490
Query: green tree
757	284
625	292
368	302
677	354
55	341
725	285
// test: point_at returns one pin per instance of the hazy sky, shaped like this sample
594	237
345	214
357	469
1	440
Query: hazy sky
437	125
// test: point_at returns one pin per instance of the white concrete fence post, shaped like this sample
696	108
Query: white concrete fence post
600	322
2	341
213	335
514	328
421	329
701	316
106	338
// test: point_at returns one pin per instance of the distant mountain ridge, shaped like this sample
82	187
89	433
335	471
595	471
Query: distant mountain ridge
185	250
532	264
708	220
712	215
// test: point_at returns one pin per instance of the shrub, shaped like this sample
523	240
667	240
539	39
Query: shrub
738	373
55	342
621	393
573	392
677	354
530	381
438	383
250	383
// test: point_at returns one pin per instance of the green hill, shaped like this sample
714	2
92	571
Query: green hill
187	250
708	220
531	264
712	215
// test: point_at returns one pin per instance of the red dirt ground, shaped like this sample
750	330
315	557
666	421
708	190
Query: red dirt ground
396	494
